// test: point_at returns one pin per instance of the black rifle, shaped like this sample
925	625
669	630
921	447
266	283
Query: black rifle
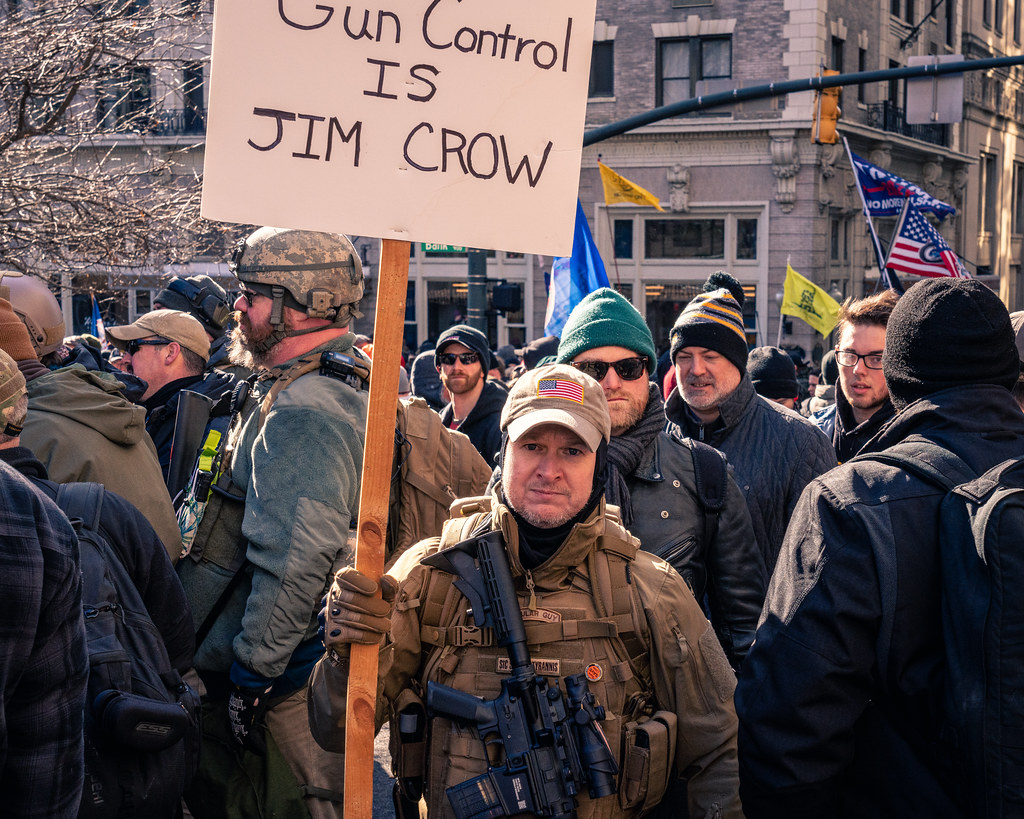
190	422
552	744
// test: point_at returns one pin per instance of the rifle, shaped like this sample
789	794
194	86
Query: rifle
190	422
552	744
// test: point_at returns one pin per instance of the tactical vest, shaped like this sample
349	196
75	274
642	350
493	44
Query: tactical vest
596	626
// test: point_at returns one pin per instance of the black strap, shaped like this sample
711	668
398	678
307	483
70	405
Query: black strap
82	502
711	476
925	459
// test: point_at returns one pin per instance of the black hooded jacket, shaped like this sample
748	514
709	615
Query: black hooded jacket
482	425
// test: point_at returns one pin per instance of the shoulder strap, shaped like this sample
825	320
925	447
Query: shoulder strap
711	476
304	365
925	459
82	502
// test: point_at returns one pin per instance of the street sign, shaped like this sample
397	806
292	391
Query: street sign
935	100
430	247
417	122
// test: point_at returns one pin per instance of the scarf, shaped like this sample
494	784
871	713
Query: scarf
627	450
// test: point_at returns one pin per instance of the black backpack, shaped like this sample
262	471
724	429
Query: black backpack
141	718
982	568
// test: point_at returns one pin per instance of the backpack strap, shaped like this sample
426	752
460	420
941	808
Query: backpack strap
304	365
711	476
82	502
925	459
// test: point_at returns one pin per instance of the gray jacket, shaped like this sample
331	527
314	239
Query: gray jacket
774	454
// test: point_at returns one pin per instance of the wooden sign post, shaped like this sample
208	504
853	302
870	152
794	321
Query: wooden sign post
371	531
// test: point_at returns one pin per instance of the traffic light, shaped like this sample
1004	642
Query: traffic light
826	112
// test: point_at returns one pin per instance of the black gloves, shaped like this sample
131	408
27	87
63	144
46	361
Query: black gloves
246	708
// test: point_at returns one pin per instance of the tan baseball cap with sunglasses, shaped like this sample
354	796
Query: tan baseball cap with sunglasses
172	325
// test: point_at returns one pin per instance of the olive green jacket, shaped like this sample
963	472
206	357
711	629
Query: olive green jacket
83	429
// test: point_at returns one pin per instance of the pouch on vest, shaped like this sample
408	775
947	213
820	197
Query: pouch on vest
648	755
409	744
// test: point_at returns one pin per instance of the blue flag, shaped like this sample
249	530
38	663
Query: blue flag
574	277
96	322
884	192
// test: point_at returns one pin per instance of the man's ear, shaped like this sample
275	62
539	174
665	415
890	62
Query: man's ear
173	352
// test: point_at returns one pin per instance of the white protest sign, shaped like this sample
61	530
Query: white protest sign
456	122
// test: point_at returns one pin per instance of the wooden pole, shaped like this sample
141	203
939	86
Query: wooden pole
375	489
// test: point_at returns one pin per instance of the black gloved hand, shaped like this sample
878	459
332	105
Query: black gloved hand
246	708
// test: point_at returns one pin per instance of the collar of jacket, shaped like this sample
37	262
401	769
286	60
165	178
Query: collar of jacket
649	468
555	572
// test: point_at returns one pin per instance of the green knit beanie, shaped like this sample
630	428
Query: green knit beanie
605	319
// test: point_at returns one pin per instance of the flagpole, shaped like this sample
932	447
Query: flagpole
875	243
611	235
782	320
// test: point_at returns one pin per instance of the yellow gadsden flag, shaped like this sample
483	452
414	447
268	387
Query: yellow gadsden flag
619	189
805	300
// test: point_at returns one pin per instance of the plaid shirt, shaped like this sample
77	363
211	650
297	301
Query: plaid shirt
43	664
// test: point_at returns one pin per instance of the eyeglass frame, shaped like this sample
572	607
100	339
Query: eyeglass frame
860	358
141	342
247	290
466	359
602	367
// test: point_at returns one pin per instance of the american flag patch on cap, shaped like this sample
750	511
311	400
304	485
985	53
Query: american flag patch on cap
560	388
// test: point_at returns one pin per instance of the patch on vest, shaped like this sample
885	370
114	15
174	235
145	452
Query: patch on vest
542	615
546	668
594	672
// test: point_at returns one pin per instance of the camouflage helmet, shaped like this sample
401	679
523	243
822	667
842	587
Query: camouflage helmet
12	387
37	308
320	273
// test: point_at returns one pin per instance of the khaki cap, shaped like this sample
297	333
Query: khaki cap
173	325
12	387
557	394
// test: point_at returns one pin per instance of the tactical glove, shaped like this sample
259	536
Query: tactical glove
246	708
353	613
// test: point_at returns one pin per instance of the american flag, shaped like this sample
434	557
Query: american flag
919	249
560	388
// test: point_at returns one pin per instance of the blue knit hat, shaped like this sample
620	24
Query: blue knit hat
606	319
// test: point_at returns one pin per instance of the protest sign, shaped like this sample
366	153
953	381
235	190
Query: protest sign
448	121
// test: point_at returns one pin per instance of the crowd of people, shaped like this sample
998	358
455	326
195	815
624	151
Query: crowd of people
748	588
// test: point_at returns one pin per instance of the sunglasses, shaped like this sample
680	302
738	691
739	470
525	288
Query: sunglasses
132	347
448	359
251	291
628	369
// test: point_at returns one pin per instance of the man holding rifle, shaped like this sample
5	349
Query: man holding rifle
534	660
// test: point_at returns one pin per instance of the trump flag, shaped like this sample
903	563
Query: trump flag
918	249
885	193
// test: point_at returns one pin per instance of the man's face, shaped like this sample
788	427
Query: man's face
627	400
863	387
148	363
706	378
251	327
457	377
548	475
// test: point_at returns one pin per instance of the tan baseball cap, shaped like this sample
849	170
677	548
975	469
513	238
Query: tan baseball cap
173	325
557	394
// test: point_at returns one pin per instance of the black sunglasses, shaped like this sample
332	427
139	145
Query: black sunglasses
448	359
628	369
250	291
132	347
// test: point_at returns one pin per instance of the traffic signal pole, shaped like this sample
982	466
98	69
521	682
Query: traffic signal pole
779	89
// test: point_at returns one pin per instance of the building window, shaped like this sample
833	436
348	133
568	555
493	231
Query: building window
988	190
1016	19
951	21
894	86
623	238
834	244
684	238
909	11
894	7
746	238
1018	198
124	101
192	90
986	12
686	67
602	69
862	65
1000	6
837	54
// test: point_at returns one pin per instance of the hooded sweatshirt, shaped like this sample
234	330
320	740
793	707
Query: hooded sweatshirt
83	429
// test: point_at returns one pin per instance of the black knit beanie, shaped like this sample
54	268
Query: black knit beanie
772	373
468	337
714	320
947	333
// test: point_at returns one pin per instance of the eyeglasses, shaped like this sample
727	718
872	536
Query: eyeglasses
448	359
628	369
848	358
132	347
251	291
